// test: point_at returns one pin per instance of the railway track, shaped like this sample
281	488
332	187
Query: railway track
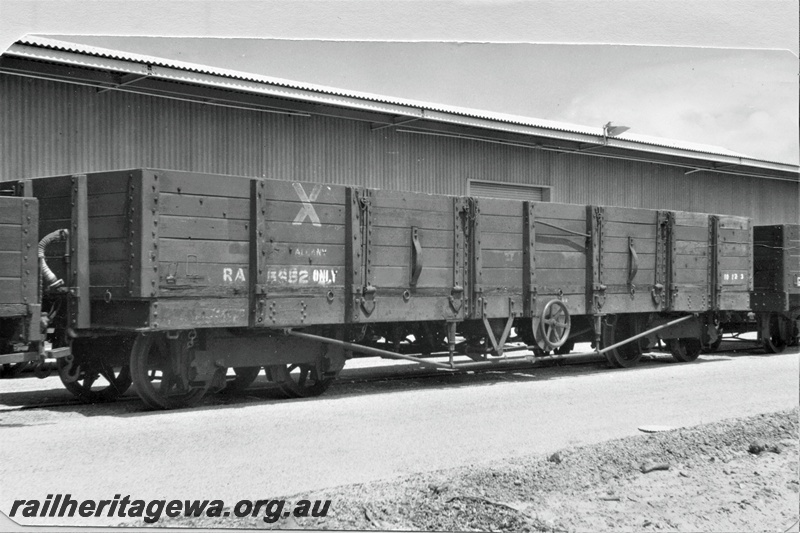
370	374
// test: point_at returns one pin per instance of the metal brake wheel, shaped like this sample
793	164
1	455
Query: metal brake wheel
555	324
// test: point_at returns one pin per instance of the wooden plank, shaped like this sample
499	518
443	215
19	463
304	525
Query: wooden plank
202	279
734	250
733	222
502	258
13	310
55	208
109	182
502	277
734	235
178	250
406	201
734	263
734	301
209	312
685	218
10	264
399	218
10	290
556	211
619	276
306	233
108	250
691	248
400	276
625	229
10	237
203	184
49	187
692	276
630	215
10	210
108	227
278	253
560	259
549	243
561	276
696	262
620	245
398	256
108	273
501	241
280	211
212	229
499	224
690	233
562	229
621	260
429	238
498	206
292	191
47	226
204	206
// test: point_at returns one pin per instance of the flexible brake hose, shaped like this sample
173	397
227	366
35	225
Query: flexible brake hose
47	274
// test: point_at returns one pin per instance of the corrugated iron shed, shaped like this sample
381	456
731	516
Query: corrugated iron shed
142	74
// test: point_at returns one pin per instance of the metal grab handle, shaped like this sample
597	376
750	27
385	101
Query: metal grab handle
416	256
634	263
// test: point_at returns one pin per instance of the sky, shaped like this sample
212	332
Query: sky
722	73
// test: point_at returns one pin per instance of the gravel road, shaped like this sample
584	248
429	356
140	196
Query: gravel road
360	432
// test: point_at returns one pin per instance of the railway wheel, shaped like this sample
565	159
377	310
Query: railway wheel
617	328
154	369
685	350
94	381
778	337
300	380
245	376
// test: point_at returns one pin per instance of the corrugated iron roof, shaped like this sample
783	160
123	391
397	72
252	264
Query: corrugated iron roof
348	98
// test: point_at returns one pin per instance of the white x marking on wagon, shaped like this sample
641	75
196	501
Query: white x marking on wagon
308	209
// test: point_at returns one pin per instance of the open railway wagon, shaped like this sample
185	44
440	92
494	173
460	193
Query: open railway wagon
170	278
23	328
775	299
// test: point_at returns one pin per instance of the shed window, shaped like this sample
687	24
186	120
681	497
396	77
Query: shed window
509	191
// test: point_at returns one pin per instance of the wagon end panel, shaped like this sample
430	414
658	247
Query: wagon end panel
19	274
776	268
733	269
690	268
562	256
628	265
413	253
301	253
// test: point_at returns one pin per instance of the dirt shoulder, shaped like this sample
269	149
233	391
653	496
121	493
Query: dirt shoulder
713	483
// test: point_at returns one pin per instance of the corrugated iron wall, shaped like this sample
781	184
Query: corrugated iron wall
56	128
